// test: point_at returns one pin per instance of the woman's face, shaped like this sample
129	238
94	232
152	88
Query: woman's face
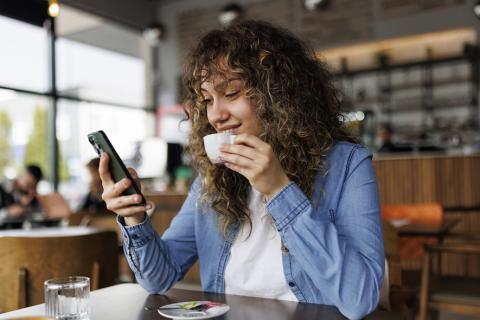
228	108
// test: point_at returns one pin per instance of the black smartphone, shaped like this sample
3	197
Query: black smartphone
118	171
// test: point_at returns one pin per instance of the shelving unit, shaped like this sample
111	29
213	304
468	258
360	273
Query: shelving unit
424	101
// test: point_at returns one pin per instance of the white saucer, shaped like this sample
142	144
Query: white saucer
185	314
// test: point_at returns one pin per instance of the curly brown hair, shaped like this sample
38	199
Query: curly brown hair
295	100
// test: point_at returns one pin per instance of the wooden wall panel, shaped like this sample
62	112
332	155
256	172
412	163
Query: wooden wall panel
451	181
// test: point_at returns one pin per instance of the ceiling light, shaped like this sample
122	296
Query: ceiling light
313	5
154	33
476	9
230	13
53	8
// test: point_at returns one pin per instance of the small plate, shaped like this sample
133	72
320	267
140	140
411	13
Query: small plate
180	310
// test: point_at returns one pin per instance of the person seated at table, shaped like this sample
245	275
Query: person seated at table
384	134
93	202
293	212
18	199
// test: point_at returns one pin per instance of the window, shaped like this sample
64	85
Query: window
24	62
100	85
89	72
23	132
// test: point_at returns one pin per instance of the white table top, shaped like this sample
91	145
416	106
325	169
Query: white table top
107	303
49	232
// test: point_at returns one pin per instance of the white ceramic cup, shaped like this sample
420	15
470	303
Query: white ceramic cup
212	143
67	298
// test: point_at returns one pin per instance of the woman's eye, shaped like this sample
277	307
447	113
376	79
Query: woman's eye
207	101
231	94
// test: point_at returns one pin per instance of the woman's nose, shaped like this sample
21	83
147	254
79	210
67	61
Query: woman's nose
218	112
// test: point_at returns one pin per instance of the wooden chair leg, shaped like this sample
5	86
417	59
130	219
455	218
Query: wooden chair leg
22	299
94	281
424	287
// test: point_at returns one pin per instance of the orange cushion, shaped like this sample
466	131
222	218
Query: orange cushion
424	213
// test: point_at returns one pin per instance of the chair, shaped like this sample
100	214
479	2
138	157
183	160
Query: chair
395	296
26	262
411	247
451	293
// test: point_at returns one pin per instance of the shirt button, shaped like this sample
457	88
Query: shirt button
291	284
134	237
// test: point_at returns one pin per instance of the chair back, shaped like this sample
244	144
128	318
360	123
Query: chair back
411	248
384	302
446	292
422	213
26	262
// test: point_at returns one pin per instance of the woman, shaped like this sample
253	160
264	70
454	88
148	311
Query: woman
294	213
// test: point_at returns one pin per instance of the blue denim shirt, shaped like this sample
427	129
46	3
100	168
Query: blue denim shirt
332	245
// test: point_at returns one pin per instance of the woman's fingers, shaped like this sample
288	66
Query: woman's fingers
256	161
104	171
133	172
245	151
135	177
118	203
115	190
238	160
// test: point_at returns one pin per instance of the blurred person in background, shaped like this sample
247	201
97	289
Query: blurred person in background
384	136
93	202
18	198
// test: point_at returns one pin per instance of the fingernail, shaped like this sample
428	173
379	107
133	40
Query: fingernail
126	183
138	199
148	206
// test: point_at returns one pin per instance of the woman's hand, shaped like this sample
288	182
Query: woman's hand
255	160
127	206
16	211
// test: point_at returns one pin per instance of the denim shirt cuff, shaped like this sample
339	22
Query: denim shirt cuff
137	235
286	205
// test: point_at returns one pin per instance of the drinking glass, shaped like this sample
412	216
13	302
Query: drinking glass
67	298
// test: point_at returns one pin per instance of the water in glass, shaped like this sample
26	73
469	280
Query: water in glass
67	298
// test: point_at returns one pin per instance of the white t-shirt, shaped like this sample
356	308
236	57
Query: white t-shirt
255	265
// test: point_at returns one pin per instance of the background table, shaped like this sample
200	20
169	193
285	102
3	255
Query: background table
49	232
130	301
424	230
